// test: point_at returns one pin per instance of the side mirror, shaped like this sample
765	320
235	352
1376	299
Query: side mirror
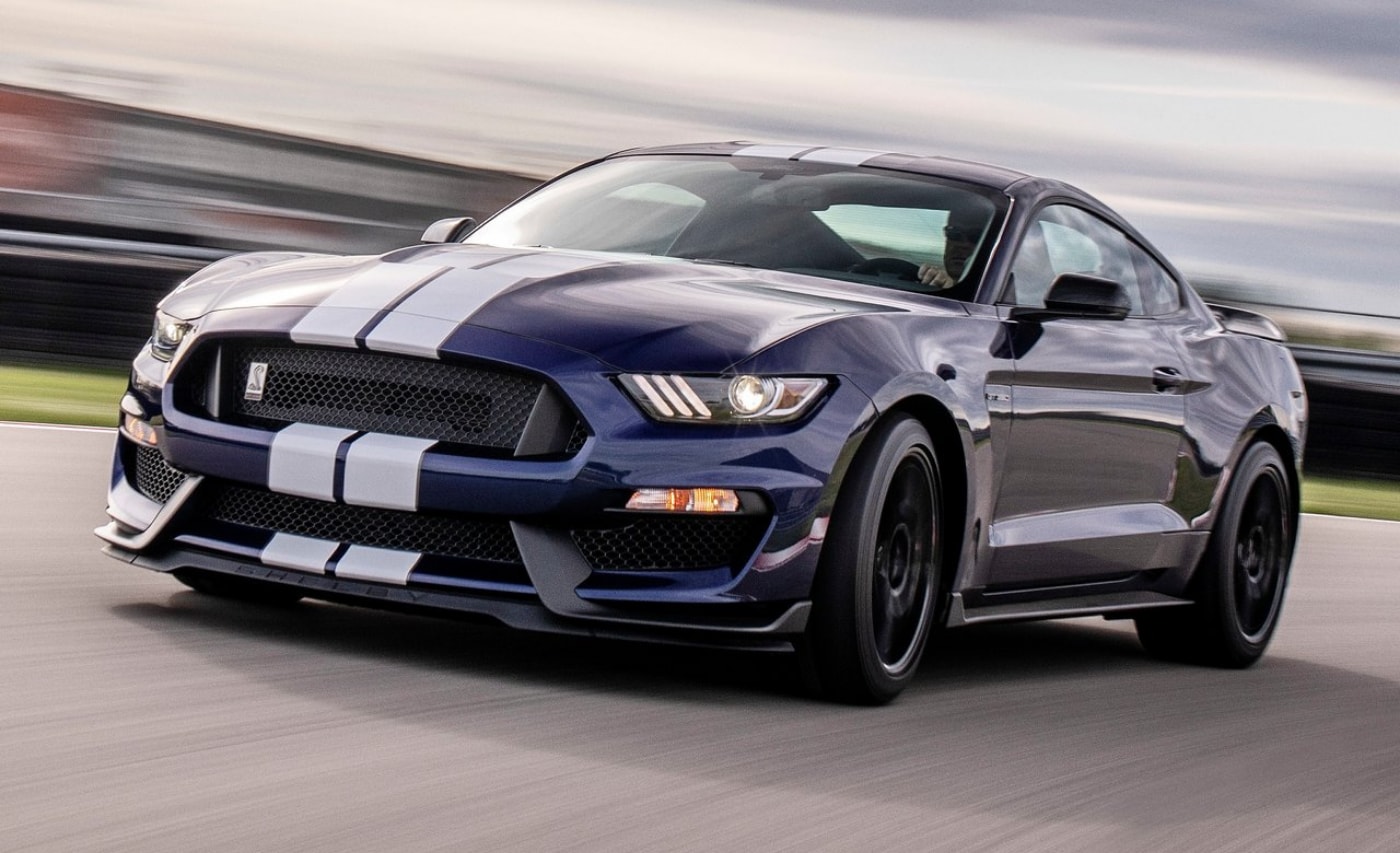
1076	295
449	230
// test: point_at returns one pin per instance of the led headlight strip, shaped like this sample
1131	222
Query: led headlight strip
671	396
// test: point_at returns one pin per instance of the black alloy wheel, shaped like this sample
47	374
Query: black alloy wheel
1259	568
1239	586
878	582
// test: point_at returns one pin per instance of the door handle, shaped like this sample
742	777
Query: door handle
1167	379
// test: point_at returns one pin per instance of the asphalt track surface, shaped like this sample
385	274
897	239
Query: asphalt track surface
136	715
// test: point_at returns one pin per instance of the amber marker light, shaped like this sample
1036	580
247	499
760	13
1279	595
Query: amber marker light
139	431
684	500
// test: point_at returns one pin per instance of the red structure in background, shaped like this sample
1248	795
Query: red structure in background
48	144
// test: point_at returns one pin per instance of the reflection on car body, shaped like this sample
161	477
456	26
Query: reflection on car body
714	394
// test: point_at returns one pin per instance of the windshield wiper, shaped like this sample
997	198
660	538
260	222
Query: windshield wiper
725	261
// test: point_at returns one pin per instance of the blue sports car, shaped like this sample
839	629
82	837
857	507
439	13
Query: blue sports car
814	399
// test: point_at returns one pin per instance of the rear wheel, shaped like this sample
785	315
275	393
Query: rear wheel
241	589
878	582
1240	583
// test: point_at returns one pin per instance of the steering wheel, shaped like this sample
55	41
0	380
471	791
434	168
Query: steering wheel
894	267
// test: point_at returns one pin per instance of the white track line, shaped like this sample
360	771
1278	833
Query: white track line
56	427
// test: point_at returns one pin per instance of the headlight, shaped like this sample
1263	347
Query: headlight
723	399
167	334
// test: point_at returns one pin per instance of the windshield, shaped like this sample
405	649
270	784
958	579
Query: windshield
855	224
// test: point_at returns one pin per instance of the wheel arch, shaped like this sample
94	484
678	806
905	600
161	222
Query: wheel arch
845	654
1263	429
1225	626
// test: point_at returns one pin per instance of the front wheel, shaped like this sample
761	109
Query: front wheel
1241	580
878	582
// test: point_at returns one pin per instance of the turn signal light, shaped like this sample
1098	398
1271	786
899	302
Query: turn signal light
684	500
139	431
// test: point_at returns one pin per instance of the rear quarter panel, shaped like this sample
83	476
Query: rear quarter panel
1251	388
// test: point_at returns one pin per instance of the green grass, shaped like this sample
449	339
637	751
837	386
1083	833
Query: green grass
60	395
88	396
1361	498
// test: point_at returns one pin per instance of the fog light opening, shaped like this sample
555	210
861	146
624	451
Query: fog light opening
684	500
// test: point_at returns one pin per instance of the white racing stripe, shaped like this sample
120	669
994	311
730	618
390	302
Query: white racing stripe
423	322
302	460
341	316
383	565
382	471
781	152
299	552
841	156
547	264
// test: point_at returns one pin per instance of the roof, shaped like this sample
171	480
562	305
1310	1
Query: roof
998	177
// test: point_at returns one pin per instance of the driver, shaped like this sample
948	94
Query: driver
960	236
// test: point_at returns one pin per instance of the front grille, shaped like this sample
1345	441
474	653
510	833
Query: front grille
155	478
672	544
385	393
425	532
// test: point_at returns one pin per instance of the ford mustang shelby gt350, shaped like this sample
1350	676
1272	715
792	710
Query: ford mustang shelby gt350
802	398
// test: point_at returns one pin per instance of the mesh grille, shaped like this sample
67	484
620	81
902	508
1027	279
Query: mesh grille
576	439
429	533
154	477
663	544
377	392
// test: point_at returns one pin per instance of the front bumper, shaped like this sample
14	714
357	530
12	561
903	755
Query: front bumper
755	629
542	544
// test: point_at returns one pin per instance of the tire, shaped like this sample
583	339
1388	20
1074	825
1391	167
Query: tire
878	582
239	589
1240	583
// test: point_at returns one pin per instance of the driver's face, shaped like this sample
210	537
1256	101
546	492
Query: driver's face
958	243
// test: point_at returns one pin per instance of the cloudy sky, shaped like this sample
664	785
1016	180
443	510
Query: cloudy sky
1252	140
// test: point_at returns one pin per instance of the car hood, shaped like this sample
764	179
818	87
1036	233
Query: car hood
631	312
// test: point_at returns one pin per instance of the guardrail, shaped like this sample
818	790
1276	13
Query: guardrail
83	299
1354	410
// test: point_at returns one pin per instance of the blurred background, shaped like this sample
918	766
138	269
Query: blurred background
1254	142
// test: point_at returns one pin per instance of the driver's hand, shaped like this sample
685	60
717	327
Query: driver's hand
935	276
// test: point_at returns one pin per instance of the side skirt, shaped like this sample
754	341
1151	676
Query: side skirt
1107	604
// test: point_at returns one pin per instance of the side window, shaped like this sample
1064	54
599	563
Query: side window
1066	239
1032	271
1160	292
1070	250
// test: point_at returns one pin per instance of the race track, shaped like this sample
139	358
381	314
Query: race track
136	715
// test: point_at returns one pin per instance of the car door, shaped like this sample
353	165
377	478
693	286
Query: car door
1096	419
